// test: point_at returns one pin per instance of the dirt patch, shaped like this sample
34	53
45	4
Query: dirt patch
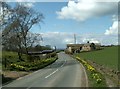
14	74
8	76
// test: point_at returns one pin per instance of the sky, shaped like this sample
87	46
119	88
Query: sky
90	20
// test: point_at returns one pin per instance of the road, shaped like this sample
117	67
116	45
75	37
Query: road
65	72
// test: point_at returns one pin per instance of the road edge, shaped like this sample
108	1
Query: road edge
84	70
85	74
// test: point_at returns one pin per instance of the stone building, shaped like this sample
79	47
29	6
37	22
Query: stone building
88	47
76	48
73	48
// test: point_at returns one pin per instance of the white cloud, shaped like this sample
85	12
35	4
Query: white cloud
26	3
115	17
60	39
91	40
25	0
29	4
113	30
57	0
68	40
19	0
84	10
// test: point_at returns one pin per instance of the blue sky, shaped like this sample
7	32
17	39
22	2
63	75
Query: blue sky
53	24
94	21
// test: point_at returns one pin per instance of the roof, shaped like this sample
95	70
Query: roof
37	52
87	44
40	52
74	45
97	44
47	51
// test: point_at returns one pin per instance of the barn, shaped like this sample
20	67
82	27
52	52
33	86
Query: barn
76	48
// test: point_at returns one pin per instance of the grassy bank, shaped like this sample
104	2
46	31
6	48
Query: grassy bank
16	68
12	56
107	57
105	61
95	78
33	63
31	66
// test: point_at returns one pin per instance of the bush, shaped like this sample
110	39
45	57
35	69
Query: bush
31	58
18	67
53	54
68	52
35	65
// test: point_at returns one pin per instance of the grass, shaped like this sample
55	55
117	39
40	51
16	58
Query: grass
12	56
13	63
95	78
0	60
32	66
92	82
107	56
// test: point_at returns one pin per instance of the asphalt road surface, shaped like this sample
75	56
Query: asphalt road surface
65	72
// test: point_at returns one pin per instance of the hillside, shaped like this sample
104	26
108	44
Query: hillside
107	56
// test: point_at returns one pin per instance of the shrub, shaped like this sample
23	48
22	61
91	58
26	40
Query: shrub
49	55
28	66
53	54
31	58
68	52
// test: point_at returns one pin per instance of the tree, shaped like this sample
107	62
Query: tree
22	20
26	18
5	14
33	39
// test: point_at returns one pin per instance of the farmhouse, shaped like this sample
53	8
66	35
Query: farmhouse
88	47
76	48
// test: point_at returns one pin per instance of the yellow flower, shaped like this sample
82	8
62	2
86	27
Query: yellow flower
98	80
11	64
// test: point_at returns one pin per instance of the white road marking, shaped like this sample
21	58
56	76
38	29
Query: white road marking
51	73
36	71
63	64
19	78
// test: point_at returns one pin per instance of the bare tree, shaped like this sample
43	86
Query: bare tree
22	20
33	39
26	18
5	11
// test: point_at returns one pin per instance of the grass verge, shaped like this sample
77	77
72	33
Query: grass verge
16	67
95	78
106	62
21	69
108	57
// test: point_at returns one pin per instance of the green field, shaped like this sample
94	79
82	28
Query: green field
107	56
11	56
10	61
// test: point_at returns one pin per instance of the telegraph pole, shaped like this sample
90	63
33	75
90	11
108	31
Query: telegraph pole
74	38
